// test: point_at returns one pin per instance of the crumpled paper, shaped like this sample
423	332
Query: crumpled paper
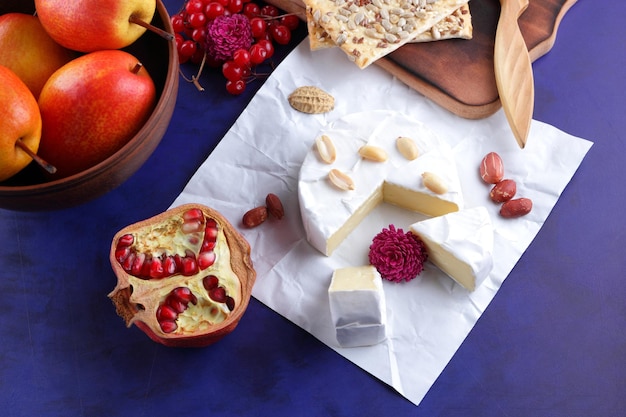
428	317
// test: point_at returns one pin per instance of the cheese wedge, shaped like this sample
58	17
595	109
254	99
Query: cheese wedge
460	244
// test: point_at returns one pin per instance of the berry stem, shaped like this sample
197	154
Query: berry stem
51	169
165	35
266	17
194	78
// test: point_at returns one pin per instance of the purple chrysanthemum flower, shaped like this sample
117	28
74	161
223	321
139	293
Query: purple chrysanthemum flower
397	255
226	34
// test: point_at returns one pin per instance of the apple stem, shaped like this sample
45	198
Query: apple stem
138	66
165	35
51	169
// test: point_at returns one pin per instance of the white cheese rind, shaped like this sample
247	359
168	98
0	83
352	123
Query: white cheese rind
357	306
460	244
329	214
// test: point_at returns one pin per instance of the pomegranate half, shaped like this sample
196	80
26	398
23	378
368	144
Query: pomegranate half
184	277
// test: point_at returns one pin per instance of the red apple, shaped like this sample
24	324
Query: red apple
28	50
91	25
19	121
91	107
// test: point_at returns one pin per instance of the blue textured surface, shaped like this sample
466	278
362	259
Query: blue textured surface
552	343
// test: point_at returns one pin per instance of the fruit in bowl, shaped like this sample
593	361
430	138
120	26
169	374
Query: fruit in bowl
92	25
33	189
90	108
20	124
184	277
33	55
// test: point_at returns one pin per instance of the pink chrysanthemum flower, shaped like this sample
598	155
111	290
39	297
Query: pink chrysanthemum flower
397	255
226	34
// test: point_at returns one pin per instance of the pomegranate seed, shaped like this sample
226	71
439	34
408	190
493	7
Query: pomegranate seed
138	264
210	233
207	246
191	226
178	260
122	253
210	282
193	214
168	326
218	294
145	268
176	304
189	266
184	294
206	259
156	268
169	266
128	262
230	303
165	313
125	241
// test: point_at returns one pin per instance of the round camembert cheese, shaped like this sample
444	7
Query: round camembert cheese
329	213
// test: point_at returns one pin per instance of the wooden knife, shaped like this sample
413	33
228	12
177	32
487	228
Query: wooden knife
513	69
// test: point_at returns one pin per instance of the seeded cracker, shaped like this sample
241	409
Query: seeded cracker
457	25
370	29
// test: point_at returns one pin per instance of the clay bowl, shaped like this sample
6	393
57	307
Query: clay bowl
29	190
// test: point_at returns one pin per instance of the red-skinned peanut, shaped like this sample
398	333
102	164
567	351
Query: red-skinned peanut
503	191
491	168
274	206
516	208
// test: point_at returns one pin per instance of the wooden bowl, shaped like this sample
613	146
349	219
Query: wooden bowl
29	190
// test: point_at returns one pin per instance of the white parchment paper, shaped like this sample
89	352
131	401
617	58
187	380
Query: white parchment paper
428	317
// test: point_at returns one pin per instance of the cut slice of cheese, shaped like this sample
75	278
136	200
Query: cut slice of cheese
460	244
329	215
357	306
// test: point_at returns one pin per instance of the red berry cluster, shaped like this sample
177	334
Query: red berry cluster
267	25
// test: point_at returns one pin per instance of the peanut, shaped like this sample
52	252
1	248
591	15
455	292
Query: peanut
434	183
326	149
274	206
312	100
491	168
407	147
341	180
373	153
503	191
255	216
516	208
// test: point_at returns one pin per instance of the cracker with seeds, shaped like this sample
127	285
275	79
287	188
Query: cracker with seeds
457	25
370	29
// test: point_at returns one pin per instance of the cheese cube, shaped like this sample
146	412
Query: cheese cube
357	306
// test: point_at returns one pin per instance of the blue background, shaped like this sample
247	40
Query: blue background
552	343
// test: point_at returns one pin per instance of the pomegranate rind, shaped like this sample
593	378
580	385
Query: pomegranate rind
240	264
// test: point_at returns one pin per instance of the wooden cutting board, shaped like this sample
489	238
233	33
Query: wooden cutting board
458	74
